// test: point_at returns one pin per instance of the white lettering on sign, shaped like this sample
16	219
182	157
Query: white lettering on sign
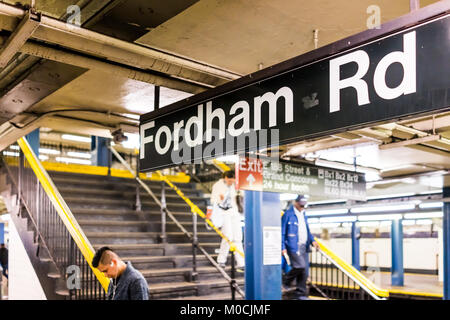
407	59
193	128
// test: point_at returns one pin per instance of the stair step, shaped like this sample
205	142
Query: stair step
180	289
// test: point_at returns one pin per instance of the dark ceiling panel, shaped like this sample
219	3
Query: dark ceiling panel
129	20
45	79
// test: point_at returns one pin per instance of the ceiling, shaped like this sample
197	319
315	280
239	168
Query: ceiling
186	47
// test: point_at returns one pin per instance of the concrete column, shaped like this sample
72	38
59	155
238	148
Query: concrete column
262	246
355	246
446	239
100	152
34	141
397	252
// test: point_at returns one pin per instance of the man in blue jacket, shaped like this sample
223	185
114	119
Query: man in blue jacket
297	240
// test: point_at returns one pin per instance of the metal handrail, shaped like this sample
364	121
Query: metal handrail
63	210
195	210
352	273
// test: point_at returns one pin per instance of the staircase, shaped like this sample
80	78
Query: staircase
105	209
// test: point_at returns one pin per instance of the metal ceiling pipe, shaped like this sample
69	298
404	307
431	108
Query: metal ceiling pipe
89	63
89	42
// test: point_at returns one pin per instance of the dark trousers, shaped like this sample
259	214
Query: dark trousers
299	271
5	269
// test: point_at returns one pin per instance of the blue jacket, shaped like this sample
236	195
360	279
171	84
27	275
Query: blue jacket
289	232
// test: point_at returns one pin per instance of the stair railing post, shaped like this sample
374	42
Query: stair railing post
163	213
194	275
19	175
233	280
138	192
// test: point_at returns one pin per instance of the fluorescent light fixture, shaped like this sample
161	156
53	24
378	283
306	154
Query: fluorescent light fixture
75	138
385	223
431	192
133	141
368	224
379	217
409	222
310	213
430	205
73	160
313	220
10	153
49	151
397	207
229	159
288	196
14	147
424	222
338	219
424	215
327	201
397	195
346	225
330	225
372	176
83	155
43	157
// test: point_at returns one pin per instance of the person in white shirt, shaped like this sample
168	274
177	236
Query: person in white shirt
223	200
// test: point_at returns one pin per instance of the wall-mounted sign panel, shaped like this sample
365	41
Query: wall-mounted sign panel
288	177
402	74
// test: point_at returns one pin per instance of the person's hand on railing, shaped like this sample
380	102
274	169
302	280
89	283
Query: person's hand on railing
316	245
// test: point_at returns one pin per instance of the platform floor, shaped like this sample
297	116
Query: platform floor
413	283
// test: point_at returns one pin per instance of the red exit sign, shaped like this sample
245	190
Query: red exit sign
249	174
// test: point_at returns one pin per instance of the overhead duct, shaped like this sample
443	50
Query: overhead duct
409	142
17	39
131	54
89	63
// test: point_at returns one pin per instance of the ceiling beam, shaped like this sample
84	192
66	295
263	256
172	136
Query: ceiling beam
21	34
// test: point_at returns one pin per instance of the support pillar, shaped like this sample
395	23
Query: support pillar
355	246
2	233
33	141
100	152
446	238
262	223
397	252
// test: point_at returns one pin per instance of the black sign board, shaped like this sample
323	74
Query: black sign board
399	75
273	175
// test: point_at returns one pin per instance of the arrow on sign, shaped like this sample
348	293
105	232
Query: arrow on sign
250	179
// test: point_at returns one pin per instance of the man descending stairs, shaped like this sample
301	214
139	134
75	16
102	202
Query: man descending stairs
105	209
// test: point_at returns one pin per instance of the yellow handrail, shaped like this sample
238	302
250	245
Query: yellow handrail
197	210
353	271
222	166
63	210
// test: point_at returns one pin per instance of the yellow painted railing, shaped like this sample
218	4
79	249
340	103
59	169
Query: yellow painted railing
63	210
197	210
353	271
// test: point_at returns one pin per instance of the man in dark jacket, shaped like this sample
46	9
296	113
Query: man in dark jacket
4	259
296	242
127	282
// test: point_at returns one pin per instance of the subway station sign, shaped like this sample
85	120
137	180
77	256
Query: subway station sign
286	177
386	78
